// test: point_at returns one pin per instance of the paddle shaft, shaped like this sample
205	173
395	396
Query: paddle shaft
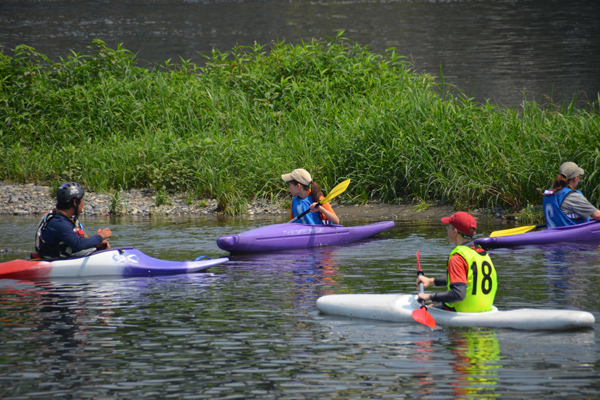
421	315
421	288
419	273
304	213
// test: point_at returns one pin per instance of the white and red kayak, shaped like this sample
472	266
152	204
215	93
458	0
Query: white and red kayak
399	308
118	262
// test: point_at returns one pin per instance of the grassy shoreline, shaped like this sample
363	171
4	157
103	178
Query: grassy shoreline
228	130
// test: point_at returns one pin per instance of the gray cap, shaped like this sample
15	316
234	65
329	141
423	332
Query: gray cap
570	170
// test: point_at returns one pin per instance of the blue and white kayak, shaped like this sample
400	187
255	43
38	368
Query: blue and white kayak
118	262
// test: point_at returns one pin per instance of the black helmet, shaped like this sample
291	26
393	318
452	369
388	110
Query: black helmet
67	192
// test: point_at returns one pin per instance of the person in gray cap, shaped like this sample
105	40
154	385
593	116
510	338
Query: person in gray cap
565	205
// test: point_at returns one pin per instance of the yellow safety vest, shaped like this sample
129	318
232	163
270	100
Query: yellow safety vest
481	281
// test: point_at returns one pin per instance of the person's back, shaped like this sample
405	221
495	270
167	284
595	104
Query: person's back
60	235
481	280
470	280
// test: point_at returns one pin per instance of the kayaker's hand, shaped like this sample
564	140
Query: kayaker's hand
425	280
314	206
103	246
105	233
425	298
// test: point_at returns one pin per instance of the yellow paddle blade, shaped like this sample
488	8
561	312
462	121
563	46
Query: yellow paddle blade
336	191
515	231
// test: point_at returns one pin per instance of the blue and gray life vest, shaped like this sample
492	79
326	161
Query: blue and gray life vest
554	215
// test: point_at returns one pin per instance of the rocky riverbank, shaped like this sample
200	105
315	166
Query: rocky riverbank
30	199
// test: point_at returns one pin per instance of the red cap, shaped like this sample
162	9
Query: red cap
463	222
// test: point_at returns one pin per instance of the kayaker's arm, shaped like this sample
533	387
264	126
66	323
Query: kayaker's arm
457	268
331	216
576	203
441	281
457	292
60	230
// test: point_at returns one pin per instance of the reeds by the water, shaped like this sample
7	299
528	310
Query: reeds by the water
229	129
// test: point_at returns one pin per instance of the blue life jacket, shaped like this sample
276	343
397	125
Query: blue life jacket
554	215
299	206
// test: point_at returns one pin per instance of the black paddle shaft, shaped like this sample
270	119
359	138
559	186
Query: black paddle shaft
307	211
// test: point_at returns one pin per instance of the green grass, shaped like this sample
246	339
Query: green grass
229	129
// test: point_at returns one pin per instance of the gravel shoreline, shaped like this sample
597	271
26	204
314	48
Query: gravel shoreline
31	199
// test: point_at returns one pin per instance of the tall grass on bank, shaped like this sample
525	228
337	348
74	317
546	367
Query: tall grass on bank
229	129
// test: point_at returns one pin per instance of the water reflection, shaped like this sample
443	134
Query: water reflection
476	362
250	328
475	356
497	50
310	273
568	272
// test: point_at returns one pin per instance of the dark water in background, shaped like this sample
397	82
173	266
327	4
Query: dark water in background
491	49
250	329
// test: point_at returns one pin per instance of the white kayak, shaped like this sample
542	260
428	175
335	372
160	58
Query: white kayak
399	308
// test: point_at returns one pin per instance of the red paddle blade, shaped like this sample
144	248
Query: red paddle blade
423	317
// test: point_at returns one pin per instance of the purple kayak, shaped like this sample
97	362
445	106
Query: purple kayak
295	236
588	232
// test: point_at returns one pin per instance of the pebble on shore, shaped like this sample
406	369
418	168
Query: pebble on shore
31	199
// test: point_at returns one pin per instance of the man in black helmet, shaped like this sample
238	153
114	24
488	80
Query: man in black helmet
60	235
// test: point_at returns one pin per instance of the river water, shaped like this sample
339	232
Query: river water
250	328
499	50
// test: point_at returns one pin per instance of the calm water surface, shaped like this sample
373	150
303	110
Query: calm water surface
250	329
498	50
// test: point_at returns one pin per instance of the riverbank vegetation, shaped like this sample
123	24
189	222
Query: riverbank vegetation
230	128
